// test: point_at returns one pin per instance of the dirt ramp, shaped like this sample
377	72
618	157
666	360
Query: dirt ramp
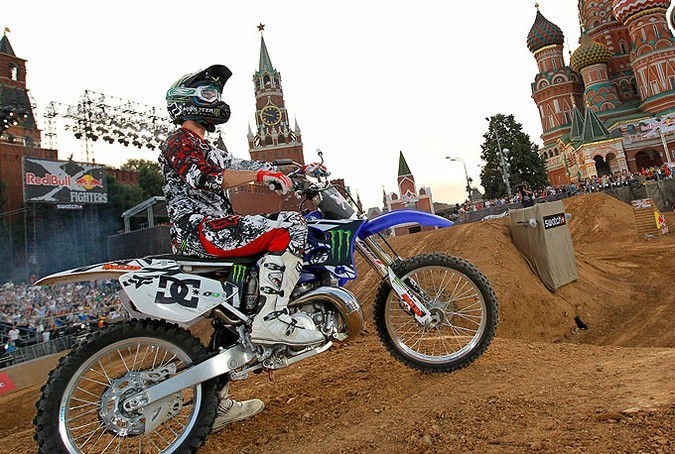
527	309
623	292
600	218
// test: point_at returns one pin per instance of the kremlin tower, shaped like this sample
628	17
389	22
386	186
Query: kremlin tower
408	198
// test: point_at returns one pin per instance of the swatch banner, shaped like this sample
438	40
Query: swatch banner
51	181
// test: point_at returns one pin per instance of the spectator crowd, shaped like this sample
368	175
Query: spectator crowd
583	186
30	315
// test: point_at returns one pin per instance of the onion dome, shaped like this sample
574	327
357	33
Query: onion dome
543	33
589	53
623	9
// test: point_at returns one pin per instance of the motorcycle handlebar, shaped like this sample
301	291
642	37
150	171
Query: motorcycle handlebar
285	162
301	186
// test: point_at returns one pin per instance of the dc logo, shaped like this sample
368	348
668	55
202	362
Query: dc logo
182	291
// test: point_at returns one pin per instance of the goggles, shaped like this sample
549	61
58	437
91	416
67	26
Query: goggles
206	93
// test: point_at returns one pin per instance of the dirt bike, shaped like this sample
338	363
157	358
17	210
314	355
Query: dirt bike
147	384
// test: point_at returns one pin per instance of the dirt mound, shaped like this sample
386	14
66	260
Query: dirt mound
605	389
621	294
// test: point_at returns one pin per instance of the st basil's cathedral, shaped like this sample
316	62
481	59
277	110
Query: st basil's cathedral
612	108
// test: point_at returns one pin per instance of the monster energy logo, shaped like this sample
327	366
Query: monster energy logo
340	243
238	274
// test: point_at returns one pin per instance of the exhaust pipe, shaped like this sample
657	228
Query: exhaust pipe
344	301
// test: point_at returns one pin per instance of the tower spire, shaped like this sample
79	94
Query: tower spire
265	64
5	47
403	169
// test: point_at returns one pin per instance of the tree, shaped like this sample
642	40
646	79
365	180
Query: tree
521	160
121	197
150	178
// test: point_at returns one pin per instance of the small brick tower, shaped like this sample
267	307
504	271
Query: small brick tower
408	198
19	134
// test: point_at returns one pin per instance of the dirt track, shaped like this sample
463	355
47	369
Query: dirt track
543	386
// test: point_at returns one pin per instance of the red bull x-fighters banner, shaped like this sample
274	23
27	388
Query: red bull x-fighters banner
63	182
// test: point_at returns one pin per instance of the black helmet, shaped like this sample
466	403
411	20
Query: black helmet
196	97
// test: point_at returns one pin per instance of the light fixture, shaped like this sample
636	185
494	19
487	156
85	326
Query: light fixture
114	120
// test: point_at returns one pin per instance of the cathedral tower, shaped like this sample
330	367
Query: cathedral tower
592	59
602	27
556	87
652	51
626	58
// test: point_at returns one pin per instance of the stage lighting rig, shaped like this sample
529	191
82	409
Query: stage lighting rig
113	120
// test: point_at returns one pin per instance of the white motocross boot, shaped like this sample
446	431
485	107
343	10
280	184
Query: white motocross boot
273	324
230	410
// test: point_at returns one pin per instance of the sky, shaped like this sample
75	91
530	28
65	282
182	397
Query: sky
365	80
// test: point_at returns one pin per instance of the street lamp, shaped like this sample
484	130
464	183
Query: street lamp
466	174
503	165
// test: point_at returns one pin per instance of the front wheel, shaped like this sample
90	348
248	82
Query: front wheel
463	307
80	409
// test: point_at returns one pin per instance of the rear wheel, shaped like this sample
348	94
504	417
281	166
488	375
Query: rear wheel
80	409
463	307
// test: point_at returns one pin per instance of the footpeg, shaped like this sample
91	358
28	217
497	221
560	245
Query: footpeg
285	361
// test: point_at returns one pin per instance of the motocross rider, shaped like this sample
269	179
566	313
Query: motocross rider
196	178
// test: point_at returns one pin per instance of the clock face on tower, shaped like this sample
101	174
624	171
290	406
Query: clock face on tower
270	115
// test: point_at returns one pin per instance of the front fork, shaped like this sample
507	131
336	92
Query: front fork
383	263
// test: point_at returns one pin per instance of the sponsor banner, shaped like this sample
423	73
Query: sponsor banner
6	384
642	203
554	220
660	222
655	126
69	206
63	182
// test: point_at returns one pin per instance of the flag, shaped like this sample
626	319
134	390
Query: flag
660	221
7	30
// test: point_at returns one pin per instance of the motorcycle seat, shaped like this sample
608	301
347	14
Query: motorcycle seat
215	262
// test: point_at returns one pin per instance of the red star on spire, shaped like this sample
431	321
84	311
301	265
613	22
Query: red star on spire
261	27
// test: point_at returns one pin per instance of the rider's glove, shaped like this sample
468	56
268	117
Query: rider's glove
275	180
315	169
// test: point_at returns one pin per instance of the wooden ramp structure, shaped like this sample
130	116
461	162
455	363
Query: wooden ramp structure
646	215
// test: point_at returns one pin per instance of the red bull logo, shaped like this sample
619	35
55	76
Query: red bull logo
47	180
88	182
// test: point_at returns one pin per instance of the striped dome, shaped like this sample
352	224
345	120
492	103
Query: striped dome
589	53
543	33
623	9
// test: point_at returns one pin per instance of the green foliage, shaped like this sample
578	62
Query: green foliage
136	164
121	197
150	178
522	161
